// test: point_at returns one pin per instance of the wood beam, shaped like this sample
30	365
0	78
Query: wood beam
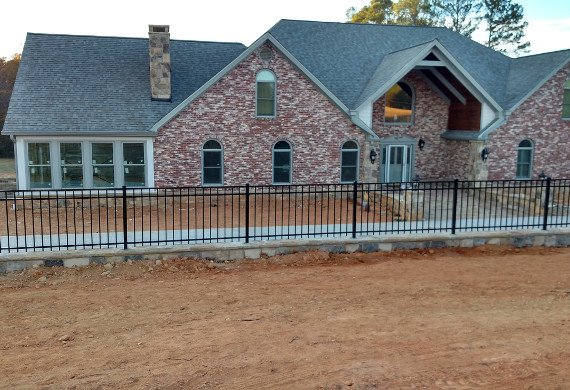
430	63
449	86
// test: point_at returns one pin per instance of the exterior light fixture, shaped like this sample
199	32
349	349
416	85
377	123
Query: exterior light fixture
421	144
542	176
484	154
372	156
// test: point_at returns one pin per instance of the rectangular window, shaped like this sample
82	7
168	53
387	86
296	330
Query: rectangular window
71	165
524	162
39	165
282	167
265	99
103	169
212	167
349	166
134	164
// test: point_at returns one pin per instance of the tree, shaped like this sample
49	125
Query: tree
405	12
416	13
461	16
378	12
8	71
505	26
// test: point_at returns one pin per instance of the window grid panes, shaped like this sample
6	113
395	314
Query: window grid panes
103	167
349	162
134	166
212	163
399	101
71	157
265	94
282	163
524	160
39	165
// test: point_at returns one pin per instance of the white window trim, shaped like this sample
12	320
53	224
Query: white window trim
24	175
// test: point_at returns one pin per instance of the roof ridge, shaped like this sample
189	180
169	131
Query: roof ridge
411	47
363	24
541	54
119	37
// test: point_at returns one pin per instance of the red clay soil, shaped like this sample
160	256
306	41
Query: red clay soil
492	317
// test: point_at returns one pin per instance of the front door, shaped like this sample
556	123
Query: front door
397	163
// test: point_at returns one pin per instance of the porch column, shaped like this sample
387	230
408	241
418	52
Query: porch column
370	171
478	169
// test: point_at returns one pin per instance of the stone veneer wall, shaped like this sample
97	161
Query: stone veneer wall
440	159
313	125
539	119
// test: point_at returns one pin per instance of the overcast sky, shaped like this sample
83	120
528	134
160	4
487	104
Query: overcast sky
221	20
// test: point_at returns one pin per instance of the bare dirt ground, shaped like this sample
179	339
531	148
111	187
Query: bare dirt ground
492	317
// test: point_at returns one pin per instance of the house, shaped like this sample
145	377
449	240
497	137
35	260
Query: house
308	102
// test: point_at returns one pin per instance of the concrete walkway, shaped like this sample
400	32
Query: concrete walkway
13	244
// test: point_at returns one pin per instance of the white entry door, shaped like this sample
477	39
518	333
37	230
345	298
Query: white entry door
398	163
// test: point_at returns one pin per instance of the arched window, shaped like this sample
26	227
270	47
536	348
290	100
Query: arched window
282	163
265	81
566	100
524	159
212	163
349	162
399	104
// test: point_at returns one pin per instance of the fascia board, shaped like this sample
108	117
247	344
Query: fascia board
98	134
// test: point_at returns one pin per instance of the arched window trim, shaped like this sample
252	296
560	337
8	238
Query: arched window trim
412	117
257	81
342	151
290	150
566	100
531	159
221	150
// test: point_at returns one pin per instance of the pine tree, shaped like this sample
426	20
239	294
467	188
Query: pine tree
505	26
461	16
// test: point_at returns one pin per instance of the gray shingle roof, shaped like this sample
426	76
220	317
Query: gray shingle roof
347	57
96	84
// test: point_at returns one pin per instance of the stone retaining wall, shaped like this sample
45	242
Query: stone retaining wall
236	251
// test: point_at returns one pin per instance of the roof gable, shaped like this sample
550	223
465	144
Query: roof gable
77	84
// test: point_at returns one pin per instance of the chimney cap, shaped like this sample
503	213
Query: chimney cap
158	28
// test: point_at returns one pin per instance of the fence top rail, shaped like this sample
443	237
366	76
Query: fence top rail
117	191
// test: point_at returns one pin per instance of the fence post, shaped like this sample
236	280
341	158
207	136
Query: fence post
247	213
125	246
454	210
546	204
354	195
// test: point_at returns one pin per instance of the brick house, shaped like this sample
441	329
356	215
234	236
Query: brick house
308	102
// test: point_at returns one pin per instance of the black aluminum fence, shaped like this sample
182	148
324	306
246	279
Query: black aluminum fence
120	218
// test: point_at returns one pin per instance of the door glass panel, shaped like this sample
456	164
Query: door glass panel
134	164
71	165
39	165
103	167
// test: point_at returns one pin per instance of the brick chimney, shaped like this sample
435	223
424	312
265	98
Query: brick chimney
159	51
